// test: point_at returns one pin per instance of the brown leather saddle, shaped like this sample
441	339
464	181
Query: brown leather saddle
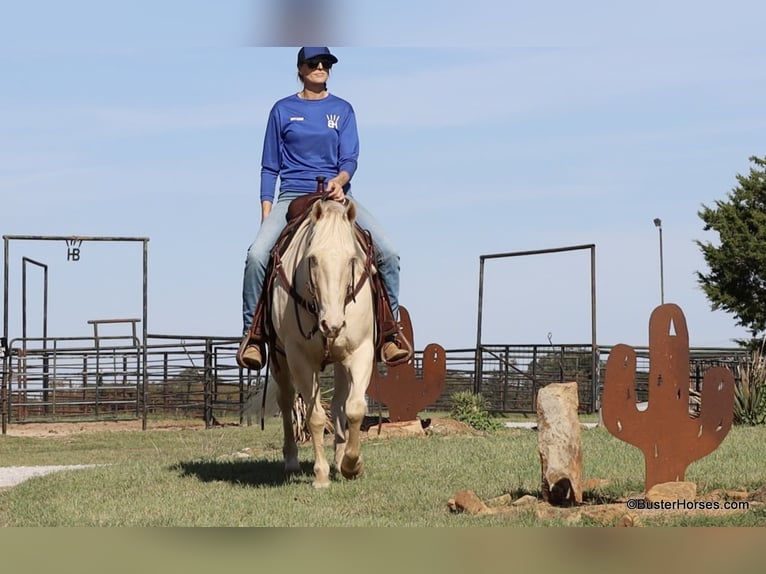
262	330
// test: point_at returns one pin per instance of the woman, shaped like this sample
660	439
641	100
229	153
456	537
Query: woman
309	134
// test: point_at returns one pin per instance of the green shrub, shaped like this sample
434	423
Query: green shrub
750	390
473	410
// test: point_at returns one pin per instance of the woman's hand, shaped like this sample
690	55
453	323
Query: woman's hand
334	190
334	187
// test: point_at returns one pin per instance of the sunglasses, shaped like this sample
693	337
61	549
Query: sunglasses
314	64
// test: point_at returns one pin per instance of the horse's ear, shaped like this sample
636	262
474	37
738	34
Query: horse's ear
351	212
316	211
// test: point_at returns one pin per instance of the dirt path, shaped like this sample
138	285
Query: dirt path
68	428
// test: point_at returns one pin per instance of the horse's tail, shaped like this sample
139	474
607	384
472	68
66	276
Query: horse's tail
256	407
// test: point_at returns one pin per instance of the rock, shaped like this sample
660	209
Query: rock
548	513
559	444
449	427
526	500
397	429
467	501
759	495
672	491
502	500
737	494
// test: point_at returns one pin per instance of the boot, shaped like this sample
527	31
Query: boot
391	352
250	354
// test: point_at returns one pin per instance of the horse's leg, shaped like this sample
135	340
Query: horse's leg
358	370
307	384
285	399
338	411
317	420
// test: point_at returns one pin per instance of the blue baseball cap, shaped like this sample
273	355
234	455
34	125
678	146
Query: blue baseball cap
323	53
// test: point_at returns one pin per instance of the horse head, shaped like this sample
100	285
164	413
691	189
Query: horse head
335	261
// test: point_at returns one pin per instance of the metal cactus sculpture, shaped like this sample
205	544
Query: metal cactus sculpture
400	389
665	432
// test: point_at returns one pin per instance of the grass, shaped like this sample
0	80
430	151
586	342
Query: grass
194	478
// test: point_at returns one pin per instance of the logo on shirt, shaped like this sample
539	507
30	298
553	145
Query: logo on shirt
296	119
332	121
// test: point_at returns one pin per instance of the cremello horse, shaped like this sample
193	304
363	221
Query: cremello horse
322	312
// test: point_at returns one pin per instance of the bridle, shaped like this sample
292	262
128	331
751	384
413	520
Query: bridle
310	303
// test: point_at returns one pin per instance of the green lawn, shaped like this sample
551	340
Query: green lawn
197	478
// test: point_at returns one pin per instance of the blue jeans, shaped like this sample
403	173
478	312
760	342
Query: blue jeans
258	255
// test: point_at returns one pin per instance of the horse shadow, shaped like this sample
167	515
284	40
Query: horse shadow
252	473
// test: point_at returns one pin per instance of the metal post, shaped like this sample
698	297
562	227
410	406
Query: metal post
5	395
658	225
208	384
5	351
594	345
44	267
478	367
534	378
145	336
505	376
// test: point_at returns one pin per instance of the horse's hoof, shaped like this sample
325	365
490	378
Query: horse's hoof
352	471
321	484
292	467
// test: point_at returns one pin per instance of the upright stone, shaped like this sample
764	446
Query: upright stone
559	444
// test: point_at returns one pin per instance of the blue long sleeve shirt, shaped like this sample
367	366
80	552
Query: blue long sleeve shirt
305	139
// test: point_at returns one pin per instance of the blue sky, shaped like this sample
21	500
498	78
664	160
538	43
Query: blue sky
486	127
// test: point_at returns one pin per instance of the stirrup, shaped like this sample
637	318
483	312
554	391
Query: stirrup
248	363
405	350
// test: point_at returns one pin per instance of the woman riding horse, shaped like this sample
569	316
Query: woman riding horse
318	129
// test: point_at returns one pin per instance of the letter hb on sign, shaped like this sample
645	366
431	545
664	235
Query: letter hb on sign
73	249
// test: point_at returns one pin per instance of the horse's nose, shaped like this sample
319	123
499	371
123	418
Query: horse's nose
330	331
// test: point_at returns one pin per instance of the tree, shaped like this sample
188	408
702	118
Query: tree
736	282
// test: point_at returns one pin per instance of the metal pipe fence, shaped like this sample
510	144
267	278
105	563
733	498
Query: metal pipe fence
89	378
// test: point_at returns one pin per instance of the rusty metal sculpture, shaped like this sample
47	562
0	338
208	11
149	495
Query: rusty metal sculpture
400	389
669	438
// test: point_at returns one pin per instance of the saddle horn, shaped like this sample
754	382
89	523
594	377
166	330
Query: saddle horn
320	186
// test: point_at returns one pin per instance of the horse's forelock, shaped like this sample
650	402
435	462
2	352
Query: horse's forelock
331	222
